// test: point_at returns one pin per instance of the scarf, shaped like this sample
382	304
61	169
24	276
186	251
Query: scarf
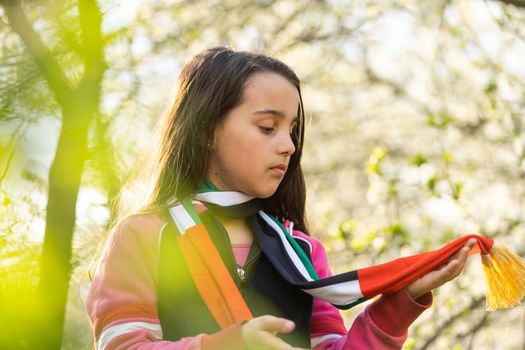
504	270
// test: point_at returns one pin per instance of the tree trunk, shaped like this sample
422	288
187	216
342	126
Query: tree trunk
64	182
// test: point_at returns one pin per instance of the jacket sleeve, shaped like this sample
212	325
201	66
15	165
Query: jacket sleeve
383	325
121	302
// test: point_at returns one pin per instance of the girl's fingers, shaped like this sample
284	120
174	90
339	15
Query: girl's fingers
456	263
470	243
260	333
275	324
448	271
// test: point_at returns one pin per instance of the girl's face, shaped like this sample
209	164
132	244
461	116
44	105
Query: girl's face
253	144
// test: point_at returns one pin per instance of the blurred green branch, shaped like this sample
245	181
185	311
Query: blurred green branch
518	3
476	303
38	51
78	106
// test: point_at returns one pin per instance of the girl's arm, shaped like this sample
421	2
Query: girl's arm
383	324
121	302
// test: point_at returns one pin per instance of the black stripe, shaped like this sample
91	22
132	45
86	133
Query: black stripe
348	306
273	248
327	281
237	211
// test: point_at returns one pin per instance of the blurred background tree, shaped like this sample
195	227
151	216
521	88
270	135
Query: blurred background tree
65	50
415	133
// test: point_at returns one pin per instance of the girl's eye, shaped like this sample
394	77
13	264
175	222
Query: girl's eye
267	130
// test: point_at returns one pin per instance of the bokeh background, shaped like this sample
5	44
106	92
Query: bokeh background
415	135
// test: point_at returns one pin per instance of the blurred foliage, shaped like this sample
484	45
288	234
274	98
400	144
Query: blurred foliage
415	135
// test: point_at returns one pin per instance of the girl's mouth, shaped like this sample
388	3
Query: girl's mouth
279	170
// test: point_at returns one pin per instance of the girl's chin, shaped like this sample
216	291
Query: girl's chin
266	193
260	192
264	196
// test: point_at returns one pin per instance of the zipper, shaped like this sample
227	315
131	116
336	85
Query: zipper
243	271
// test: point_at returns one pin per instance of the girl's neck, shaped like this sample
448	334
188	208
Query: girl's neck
238	230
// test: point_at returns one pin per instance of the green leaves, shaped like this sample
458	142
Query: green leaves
373	165
440	121
418	159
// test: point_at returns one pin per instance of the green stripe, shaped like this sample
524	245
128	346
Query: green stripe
208	186
300	252
191	210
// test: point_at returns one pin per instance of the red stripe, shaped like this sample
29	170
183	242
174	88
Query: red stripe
397	274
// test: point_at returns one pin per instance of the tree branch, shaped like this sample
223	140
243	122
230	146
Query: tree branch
517	3
437	333
38	50
90	19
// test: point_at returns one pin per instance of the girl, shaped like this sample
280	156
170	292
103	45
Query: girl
213	261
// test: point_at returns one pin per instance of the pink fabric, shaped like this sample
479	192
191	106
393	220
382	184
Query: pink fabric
123	292
143	340
240	252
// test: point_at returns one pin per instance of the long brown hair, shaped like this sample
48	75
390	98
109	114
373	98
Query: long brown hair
210	85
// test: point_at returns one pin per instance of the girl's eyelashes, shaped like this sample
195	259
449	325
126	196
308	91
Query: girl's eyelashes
271	129
266	129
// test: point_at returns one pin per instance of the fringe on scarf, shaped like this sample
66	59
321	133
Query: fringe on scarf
505	276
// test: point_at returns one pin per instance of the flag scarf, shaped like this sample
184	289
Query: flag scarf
505	271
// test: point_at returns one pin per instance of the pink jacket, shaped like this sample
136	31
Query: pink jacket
121	302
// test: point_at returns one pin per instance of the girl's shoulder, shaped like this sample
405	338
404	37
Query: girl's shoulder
142	221
139	228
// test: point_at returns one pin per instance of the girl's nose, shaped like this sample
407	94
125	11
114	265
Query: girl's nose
286	145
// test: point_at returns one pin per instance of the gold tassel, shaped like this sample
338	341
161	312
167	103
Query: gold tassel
505	275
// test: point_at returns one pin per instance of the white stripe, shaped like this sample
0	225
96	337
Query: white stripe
339	294
290	227
182	218
289	250
112	332
224	198
318	340
290	231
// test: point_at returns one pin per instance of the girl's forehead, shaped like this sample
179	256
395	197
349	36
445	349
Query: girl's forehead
261	78
270	86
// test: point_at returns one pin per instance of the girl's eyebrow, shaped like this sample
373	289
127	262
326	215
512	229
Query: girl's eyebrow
274	112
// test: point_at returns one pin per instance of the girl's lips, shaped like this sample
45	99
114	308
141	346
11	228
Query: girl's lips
279	170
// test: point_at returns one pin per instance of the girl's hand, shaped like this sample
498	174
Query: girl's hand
260	333
440	276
